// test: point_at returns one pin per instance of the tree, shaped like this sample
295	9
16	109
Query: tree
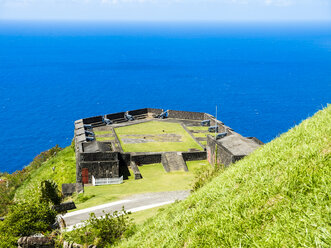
50	192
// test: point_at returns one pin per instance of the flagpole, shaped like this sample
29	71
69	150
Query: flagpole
216	122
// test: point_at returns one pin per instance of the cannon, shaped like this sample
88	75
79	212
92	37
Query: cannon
213	129
88	126
163	115
128	117
88	138
106	120
221	135
88	133
205	123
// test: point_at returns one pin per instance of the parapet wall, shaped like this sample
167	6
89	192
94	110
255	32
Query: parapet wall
149	112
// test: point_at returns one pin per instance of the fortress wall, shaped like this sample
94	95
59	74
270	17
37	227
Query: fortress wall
115	116
145	111
98	156
186	115
154	111
256	140
237	158
120	115
105	169
91	120
146	158
218	153
153	158
192	156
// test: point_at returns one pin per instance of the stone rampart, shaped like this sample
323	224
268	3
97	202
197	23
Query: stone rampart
93	119
146	158
69	188
98	156
229	149
192	156
186	115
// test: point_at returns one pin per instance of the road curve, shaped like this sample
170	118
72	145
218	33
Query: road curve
133	203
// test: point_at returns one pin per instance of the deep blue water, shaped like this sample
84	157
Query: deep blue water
263	78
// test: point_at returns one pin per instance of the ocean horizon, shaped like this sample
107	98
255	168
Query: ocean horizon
263	78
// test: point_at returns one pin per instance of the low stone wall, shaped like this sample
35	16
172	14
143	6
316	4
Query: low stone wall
35	242
146	158
69	244
64	207
186	115
192	156
91	120
69	188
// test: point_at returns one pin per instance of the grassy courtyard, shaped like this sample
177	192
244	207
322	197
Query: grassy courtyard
155	136
104	135
155	179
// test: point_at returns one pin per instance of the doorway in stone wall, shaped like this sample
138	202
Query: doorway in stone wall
85	175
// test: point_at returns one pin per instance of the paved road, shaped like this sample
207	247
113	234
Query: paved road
133	204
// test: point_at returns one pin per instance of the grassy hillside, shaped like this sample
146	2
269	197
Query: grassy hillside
279	196
64	164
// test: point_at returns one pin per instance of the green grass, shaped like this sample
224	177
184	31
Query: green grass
155	179
204	142
65	172
279	196
141	216
197	128
202	135
155	128
104	138
103	132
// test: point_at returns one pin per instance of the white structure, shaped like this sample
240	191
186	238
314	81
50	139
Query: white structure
105	181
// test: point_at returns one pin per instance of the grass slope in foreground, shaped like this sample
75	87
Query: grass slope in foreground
279	196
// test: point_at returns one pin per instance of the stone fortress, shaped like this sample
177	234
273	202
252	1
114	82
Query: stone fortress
101	152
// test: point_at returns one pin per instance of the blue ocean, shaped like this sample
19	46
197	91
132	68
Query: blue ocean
264	79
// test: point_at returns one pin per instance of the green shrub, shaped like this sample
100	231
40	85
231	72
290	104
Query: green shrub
102	231
24	219
50	192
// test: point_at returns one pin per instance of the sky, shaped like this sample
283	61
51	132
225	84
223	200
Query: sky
167	10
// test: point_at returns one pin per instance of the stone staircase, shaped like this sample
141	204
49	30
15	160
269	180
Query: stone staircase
173	161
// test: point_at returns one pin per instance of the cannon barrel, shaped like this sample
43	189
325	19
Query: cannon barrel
106	121
128	117
88	126
88	138
205	123
88	133
164	114
221	135
213	129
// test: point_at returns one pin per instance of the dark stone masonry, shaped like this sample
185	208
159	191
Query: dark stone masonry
107	159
